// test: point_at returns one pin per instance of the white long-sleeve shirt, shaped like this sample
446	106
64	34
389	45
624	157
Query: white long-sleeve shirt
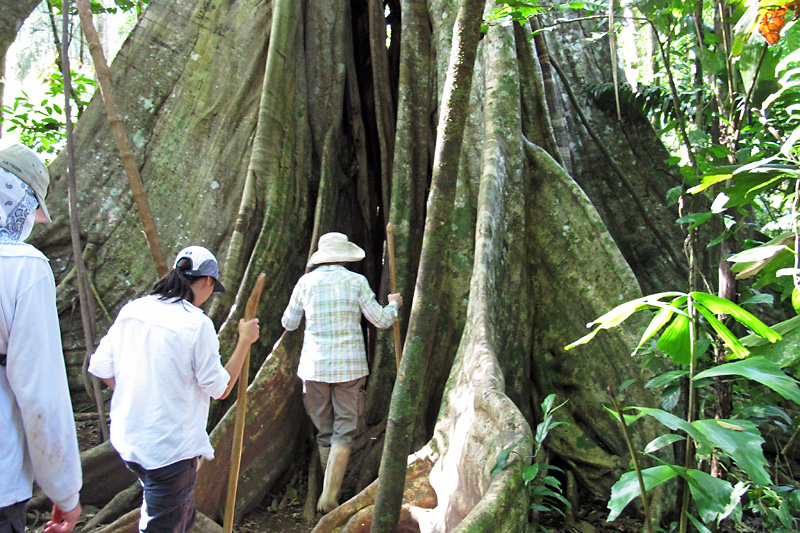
164	358
37	428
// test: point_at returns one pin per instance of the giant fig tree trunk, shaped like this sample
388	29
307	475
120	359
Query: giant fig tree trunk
257	126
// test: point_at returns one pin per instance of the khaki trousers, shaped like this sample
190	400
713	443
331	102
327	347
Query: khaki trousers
334	408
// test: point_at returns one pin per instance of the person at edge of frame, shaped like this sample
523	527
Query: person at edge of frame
38	439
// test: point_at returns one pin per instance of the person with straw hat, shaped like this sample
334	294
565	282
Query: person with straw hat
333	362
37	428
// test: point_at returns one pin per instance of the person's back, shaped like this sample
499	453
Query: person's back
29	333
37	429
331	304
332	299
165	354
161	357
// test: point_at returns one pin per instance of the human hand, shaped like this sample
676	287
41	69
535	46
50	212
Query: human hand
61	521
248	330
395	297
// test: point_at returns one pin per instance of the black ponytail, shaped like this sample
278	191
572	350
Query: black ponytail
176	284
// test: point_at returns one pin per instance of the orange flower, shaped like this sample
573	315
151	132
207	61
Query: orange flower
772	23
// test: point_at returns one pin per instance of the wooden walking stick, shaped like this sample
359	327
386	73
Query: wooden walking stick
241	410
398	347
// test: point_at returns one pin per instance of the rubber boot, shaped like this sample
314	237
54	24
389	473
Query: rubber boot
324	452
334	474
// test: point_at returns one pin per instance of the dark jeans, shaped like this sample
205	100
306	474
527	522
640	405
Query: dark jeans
168	503
12	518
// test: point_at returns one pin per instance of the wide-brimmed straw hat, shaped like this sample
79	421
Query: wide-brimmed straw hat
335	248
26	165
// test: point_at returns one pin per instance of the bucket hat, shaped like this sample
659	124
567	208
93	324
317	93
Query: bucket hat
26	165
335	248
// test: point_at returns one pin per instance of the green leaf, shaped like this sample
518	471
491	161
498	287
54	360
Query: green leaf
627	488
760	299
547	403
749	269
697	524
665	378
742	441
753	179
658	322
710	180
629	419
758	253
674	422
673	195
796	300
529	472
670	397
553	482
662	441
621	313
729	339
502	457
695	219
784	353
711	495
761	370
722	306
675	341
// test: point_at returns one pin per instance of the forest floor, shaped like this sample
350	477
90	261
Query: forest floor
282	511
279	513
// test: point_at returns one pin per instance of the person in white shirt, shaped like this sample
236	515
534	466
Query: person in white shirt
37	428
161	358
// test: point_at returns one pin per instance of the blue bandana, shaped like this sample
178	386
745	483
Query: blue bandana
17	206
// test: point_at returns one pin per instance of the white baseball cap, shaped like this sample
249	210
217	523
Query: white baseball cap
203	264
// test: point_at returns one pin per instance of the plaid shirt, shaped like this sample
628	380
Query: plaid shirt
333	299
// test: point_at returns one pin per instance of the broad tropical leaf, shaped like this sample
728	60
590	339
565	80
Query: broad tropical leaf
758	253
747	269
674	422
758	369
784	353
659	442
742	441
665	378
711	495
698	524
660	320
627	488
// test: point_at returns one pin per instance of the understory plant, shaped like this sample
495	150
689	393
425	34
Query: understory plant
543	488
687	325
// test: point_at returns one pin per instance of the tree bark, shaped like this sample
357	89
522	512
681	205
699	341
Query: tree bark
434	261
120	137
